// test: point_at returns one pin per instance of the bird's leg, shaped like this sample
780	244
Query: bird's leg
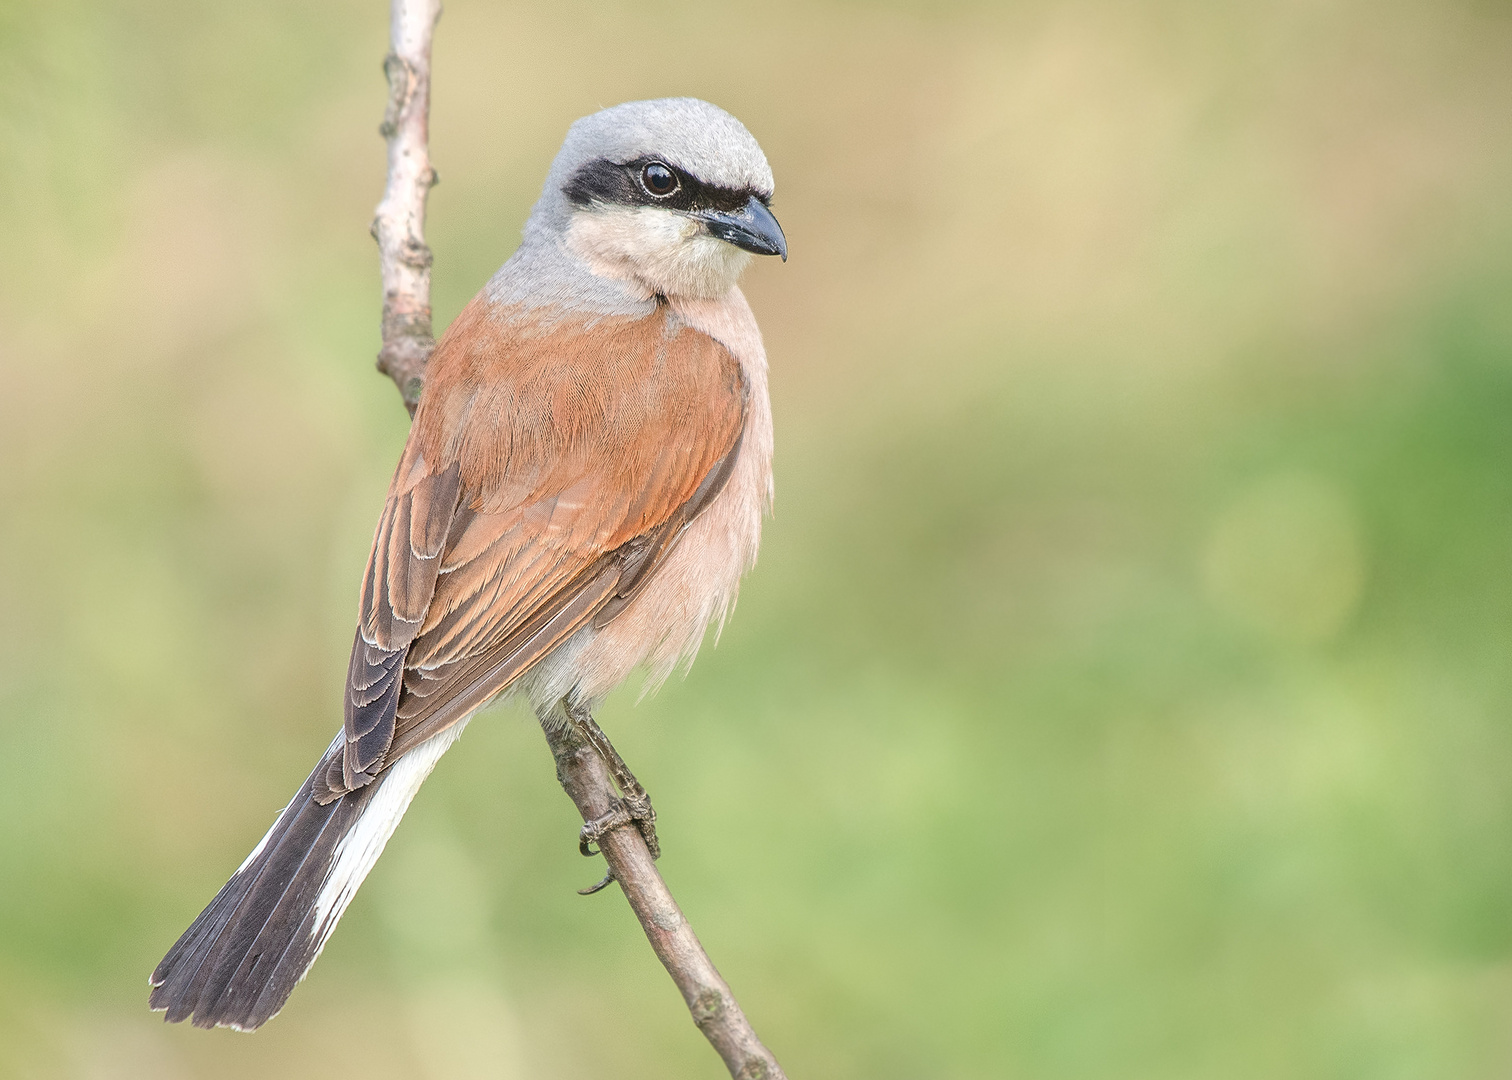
633	806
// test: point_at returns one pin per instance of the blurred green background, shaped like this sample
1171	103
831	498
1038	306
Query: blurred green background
1124	690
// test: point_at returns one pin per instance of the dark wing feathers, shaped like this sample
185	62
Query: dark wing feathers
397	587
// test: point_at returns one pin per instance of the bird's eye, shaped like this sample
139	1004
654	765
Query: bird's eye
659	180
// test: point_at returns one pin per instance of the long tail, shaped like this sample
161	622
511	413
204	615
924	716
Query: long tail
237	964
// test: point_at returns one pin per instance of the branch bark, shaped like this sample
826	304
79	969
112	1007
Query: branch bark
585	777
399	228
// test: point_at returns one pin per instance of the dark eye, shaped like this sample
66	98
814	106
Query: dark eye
659	180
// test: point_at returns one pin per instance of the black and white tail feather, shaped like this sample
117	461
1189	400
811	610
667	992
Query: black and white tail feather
237	964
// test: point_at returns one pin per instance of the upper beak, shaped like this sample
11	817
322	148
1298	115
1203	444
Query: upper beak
751	228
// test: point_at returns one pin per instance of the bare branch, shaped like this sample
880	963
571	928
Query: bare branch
399	226
586	780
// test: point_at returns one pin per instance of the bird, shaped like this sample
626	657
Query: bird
581	491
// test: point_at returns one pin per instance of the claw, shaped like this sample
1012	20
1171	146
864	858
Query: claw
593	831
590	890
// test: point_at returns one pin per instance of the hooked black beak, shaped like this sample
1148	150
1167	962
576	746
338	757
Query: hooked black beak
751	228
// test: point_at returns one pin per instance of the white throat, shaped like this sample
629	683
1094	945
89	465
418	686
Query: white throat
659	251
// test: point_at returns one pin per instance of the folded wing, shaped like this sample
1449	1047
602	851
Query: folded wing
552	465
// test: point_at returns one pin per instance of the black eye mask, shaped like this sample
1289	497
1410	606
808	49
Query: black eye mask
620	184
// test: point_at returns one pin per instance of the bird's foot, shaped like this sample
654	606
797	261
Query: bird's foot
634	808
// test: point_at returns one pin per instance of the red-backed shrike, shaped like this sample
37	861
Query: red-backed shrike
582	489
